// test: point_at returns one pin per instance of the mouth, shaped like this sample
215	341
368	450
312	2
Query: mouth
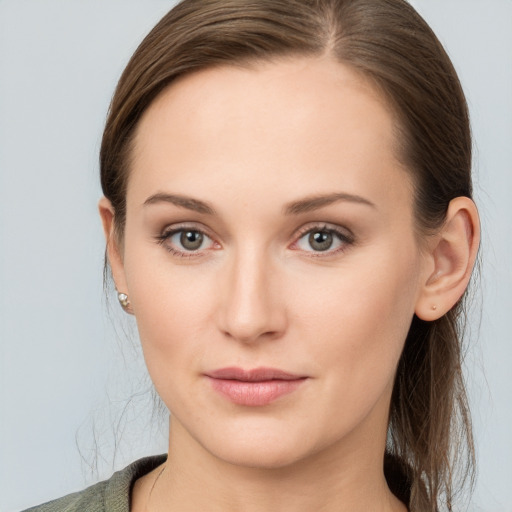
256	387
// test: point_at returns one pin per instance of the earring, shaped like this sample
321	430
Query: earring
123	300
434	307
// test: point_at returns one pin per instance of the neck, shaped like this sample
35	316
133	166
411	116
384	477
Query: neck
334	479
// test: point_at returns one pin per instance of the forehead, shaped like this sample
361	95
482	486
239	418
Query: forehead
285	123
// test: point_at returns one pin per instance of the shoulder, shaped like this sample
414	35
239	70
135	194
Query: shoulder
112	495
91	499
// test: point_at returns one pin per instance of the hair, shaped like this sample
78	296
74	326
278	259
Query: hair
388	43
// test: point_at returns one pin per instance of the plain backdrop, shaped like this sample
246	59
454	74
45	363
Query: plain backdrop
73	395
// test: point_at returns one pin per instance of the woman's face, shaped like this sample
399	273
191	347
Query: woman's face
270	226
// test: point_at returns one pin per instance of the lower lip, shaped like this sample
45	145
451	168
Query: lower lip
254	393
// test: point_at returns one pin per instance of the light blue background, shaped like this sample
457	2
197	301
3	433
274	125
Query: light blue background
59	62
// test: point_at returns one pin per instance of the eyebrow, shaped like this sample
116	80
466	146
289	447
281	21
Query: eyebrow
294	208
182	201
315	202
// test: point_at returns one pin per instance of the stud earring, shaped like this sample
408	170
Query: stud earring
434	307
123	300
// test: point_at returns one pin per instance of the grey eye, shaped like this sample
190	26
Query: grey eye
191	240
320	240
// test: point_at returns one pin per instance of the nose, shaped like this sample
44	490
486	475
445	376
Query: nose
251	307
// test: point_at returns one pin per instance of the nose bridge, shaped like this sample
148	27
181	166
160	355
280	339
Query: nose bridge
250	304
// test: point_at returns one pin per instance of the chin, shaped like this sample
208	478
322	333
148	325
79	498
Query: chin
268	456
261	449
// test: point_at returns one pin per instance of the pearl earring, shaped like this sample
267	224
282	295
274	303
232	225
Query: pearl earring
123	300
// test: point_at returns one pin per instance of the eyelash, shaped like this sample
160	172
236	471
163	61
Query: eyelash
166	235
345	239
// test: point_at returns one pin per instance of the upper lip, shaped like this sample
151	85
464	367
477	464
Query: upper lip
254	375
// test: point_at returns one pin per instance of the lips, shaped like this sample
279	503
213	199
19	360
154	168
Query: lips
256	375
256	387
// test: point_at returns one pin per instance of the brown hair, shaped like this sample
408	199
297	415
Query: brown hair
393	47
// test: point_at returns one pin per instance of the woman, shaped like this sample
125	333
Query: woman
288	215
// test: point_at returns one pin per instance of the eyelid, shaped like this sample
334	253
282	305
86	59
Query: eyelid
325	226
345	236
183	226
169	231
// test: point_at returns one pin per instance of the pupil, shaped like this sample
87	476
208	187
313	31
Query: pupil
191	240
321	240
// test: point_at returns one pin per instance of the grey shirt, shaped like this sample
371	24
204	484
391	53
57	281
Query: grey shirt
112	495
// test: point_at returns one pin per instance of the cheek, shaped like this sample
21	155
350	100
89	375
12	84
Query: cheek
359	321
172	304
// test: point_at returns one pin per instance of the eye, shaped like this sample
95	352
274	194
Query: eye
189	240
323	239
185	242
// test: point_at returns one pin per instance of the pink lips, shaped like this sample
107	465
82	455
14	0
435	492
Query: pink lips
257	387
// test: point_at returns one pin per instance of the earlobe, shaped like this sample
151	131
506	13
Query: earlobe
114	251
452	257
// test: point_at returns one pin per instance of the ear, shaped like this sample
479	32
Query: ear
114	251
450	260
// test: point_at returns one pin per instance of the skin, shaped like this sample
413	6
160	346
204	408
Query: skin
249	142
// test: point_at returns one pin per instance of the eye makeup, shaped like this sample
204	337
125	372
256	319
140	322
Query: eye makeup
316	240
